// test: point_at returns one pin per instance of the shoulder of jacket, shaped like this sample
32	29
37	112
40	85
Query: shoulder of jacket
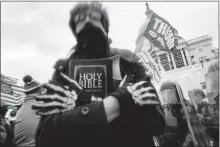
125	53
61	64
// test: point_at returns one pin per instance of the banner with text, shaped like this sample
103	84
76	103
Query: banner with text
161	33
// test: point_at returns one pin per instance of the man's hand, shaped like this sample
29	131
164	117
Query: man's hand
55	99
143	93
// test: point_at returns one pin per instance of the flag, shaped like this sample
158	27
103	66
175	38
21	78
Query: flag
160	33
11	93
9	79
155	34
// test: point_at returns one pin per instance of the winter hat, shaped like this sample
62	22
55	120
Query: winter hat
81	7
30	84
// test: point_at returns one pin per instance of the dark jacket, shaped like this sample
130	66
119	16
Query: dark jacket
8	130
75	128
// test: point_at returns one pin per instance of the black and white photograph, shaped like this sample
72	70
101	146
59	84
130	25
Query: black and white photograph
109	73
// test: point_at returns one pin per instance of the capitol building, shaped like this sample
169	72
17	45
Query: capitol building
191	52
188	64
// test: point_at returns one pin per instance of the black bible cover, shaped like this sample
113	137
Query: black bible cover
93	75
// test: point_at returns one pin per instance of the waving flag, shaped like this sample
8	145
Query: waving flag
11	93
160	33
155	34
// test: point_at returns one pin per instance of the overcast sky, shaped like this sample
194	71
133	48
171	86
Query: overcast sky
35	34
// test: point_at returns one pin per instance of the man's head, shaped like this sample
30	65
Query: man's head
92	12
89	23
30	85
212	82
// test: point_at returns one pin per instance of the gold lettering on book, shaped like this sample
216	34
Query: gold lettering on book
90	80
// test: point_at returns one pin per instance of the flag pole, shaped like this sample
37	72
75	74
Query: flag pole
147	8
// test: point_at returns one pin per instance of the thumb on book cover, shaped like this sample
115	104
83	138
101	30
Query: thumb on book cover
123	81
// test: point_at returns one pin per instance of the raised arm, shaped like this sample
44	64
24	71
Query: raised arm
149	110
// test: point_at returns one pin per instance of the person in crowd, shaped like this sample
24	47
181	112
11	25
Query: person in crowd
203	112
6	131
11	114
212	90
26	118
177	132
196	96
212	87
129	116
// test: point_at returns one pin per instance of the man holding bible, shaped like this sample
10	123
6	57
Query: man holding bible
130	114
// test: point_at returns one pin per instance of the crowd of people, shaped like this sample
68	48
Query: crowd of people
132	114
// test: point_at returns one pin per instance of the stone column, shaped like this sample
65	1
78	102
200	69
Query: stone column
188	56
183	57
173	60
159	64
168	60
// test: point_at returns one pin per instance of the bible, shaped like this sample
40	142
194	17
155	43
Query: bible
95	76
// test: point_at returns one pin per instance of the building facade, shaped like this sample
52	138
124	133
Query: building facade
188	64
195	51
